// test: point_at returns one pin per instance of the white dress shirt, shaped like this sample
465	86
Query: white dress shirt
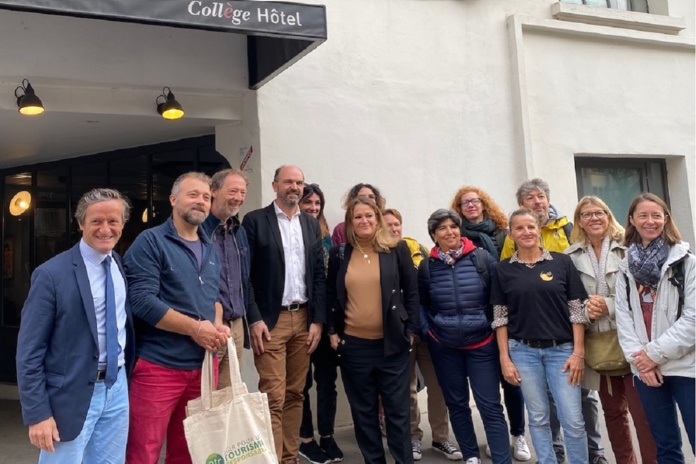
295	289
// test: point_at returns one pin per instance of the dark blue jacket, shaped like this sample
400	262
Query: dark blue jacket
210	225
454	307
57	349
163	273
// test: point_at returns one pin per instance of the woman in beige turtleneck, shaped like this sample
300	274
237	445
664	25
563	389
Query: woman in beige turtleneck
372	299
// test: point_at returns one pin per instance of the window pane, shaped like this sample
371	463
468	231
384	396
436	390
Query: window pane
17	267
639	5
600	3
51	223
617	186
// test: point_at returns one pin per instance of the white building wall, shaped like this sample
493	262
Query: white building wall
421	97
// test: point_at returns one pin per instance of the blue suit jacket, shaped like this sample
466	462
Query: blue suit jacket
57	349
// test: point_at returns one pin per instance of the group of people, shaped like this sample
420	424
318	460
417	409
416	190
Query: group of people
110	351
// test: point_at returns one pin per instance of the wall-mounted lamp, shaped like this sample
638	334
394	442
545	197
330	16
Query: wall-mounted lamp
27	101
169	108
20	203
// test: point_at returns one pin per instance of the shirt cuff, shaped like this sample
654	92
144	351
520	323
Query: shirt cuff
576	313
500	316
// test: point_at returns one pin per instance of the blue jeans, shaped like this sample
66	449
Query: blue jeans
590	414
539	369
660	404
455	369
104	433
514	405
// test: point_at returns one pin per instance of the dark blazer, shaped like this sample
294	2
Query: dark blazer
399	284
268	266
57	349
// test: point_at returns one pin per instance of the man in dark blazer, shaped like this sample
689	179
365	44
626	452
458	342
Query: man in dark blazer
76	343
287	314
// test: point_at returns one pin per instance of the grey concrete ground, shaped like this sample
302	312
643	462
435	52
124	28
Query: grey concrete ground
16	449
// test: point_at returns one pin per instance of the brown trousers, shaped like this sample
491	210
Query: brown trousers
237	330
624	398
282	372
438	416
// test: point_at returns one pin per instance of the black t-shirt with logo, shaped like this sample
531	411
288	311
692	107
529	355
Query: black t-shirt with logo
537	298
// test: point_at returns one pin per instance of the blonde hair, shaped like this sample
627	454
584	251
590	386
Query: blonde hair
490	207
382	241
614	231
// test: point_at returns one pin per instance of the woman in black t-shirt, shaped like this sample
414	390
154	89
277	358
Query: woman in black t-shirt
537	299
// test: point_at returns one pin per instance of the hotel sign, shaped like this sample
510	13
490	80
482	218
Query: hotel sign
276	19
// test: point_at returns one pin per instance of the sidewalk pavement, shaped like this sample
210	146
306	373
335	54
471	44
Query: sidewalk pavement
16	449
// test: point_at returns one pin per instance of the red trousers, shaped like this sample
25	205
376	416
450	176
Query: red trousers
158	396
624	398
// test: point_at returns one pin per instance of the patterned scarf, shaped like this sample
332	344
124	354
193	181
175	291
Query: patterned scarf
449	257
482	233
646	263
600	266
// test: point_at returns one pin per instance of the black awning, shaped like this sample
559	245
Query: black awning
279	32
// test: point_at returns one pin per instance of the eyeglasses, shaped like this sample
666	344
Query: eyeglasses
598	214
473	201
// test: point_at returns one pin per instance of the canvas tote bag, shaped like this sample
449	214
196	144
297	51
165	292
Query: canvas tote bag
231	425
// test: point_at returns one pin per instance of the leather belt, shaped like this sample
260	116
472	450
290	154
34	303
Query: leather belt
293	307
101	374
543	343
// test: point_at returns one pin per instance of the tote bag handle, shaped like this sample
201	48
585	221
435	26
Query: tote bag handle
208	379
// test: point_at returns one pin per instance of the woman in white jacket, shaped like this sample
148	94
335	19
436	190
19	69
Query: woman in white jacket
655	321
596	253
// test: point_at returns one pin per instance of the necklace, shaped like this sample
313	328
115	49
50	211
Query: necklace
364	255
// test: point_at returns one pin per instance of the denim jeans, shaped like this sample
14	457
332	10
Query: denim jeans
590	414
480	367
104	433
514	405
660	405
539	369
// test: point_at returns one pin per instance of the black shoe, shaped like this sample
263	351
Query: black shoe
311	452
331	449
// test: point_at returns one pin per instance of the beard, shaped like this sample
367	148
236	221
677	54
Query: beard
194	216
228	210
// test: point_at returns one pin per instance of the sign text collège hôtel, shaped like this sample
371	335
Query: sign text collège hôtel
281	19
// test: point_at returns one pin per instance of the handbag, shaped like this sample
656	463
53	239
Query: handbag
229	425
603	353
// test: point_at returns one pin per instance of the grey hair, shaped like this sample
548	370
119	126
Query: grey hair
528	186
220	177
440	216
98	195
176	188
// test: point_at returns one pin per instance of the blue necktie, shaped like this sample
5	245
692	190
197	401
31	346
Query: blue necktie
111	328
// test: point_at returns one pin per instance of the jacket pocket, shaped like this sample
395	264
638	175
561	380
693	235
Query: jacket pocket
54	380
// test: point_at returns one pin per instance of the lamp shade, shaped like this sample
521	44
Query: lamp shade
20	203
28	103
170	108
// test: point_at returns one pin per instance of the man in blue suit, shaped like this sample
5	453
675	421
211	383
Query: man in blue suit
76	343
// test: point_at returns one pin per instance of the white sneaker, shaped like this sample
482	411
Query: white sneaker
520	450
488	451
473	460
